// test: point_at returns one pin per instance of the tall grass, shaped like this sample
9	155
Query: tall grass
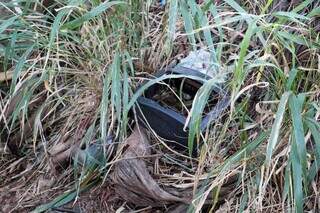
68	52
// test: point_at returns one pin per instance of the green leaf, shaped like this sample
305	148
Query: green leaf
104	107
314	12
247	17
55	27
173	13
203	21
236	6
233	160
287	179
295	39
195	116
302	6
129	61
314	128
297	177
292	75
265	8
19	67
125	102
239	72
218	21
7	23
63	199
116	85
245	150
291	16
243	201
57	202
295	105
276	127
188	23
10	50
140	91
207	34
90	15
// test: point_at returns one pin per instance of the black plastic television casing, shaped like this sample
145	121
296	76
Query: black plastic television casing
168	123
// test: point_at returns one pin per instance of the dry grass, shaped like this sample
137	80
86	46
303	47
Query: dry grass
66	82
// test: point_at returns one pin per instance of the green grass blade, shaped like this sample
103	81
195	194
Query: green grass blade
116	85
239	71
315	132
130	63
173	14
209	39
296	39
204	23
243	201
59	201
295	105
314	12
292	76
265	8
7	23
55	27
194	10
104	107
19	67
233	160
140	91
248	19
245	150
195	116
62	199
287	179
9	51
302	6
297	177
236	6
218	21
276	127
125	101
187	17
291	16
90	15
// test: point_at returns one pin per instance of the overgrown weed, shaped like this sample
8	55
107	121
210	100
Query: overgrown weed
69	71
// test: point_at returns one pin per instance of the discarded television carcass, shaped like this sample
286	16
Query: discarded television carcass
164	106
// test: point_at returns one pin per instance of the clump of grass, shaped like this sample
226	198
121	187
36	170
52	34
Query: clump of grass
69	70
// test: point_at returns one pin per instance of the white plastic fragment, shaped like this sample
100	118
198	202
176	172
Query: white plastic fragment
199	60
